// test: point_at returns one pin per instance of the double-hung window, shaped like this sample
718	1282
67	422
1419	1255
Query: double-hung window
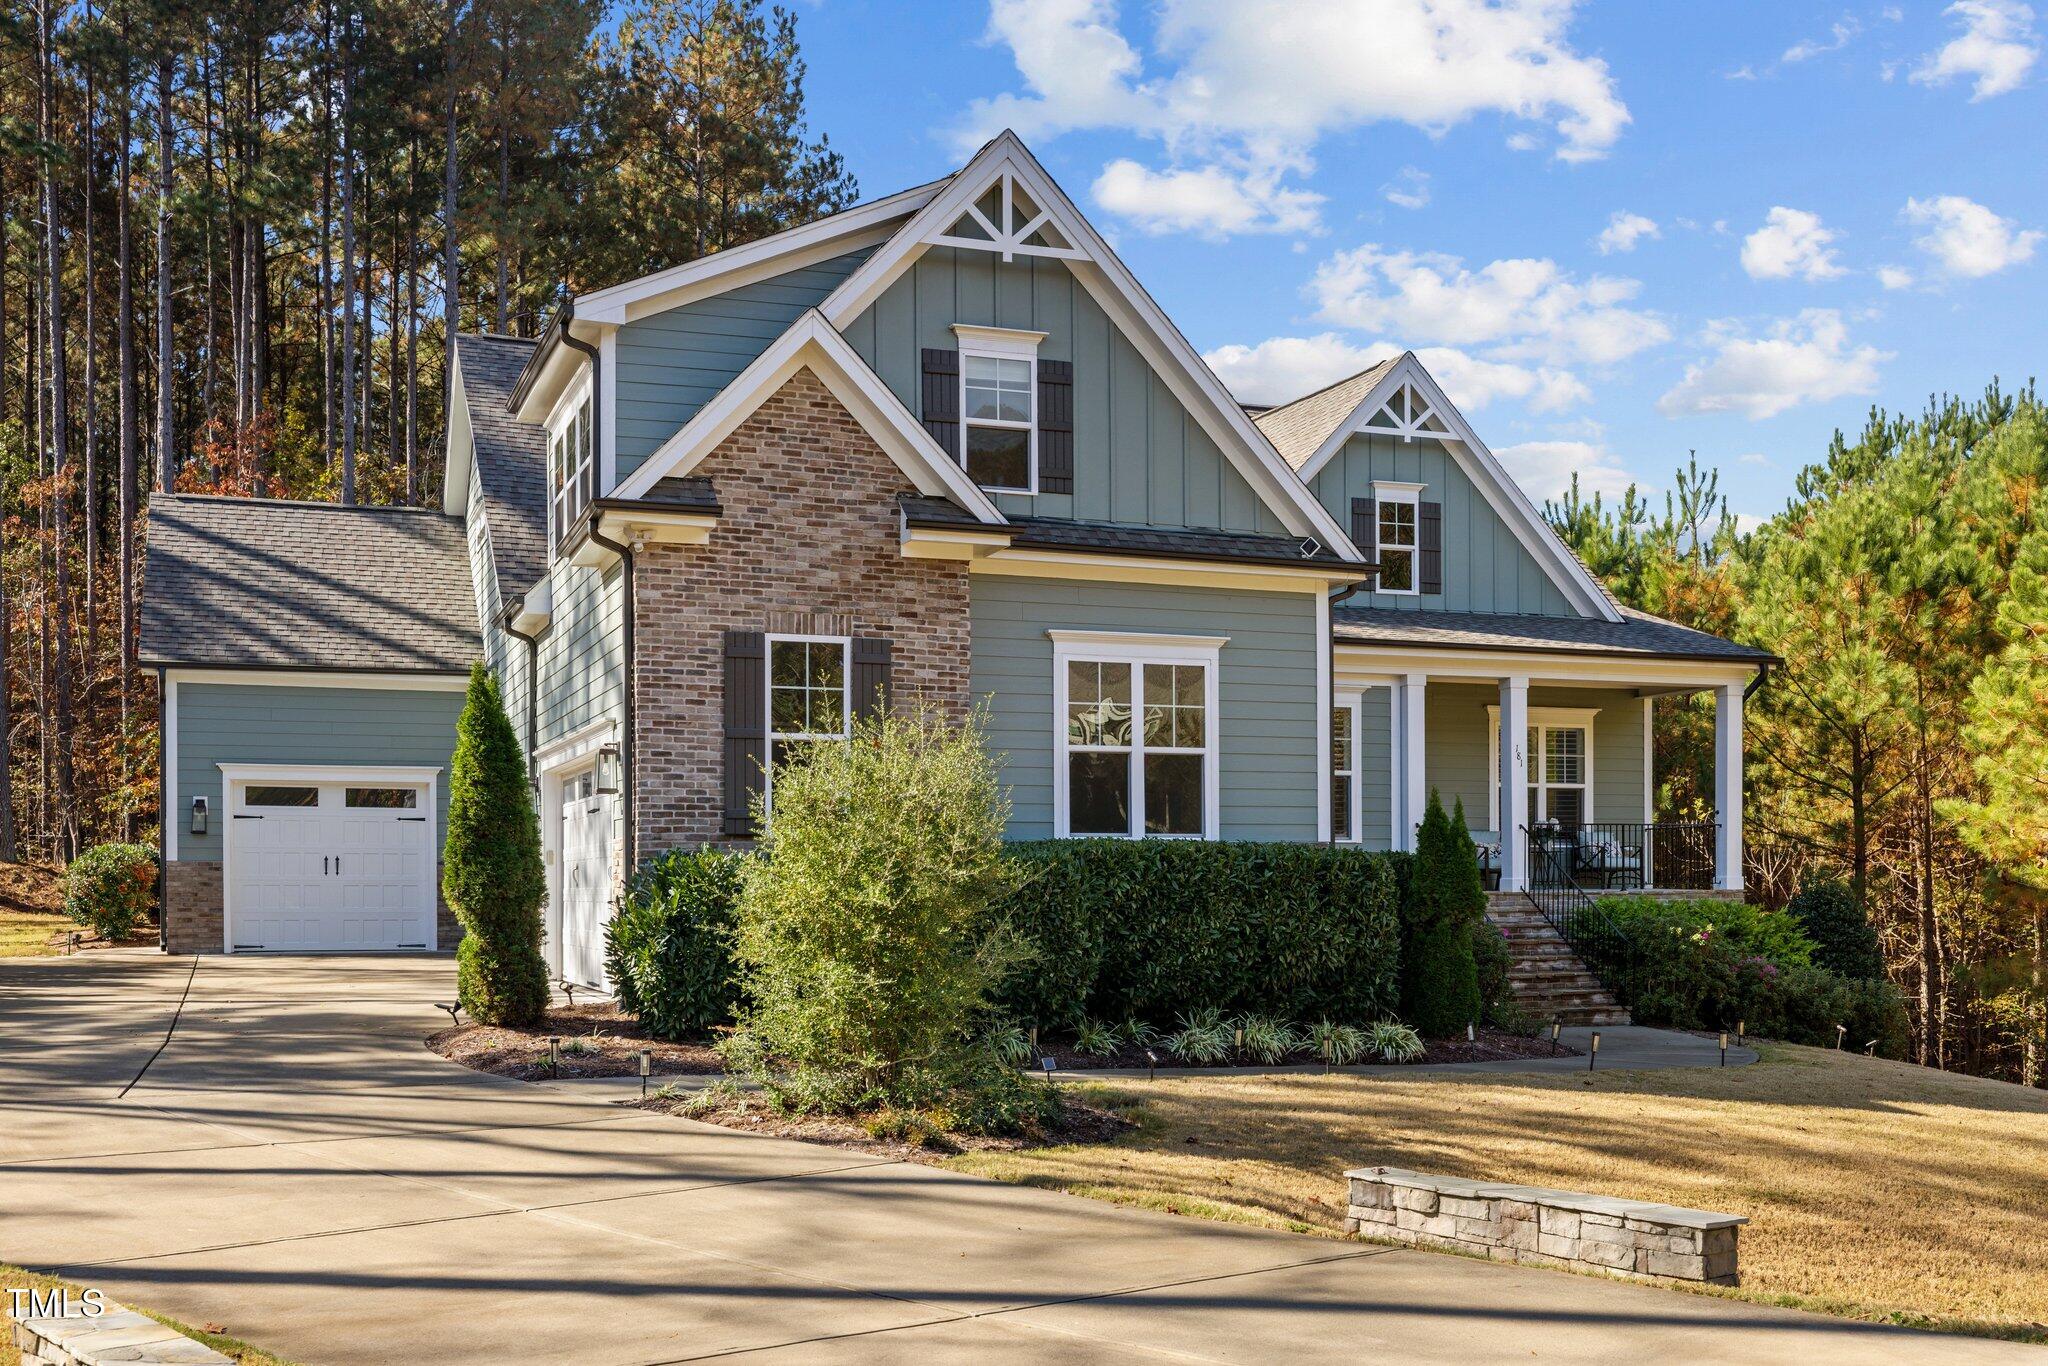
999	407
809	697
1136	738
572	468
1343	771
1398	535
1559	754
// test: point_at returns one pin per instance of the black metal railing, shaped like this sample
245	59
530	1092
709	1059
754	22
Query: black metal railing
1551	886
1626	856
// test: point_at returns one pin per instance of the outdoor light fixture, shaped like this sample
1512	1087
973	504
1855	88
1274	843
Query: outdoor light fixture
1841	1033
646	1066
1740	1030
1594	1056
1151	1065
1556	1028
1724	1048
199	815
608	769
1471	1034
1047	1064
554	1055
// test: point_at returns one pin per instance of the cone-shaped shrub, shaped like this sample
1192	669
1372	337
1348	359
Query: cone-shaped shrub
491	868
1439	977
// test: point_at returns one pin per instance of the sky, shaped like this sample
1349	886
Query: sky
1615	233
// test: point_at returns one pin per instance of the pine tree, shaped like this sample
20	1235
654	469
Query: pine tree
491	870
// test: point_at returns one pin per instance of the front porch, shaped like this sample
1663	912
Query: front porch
1551	759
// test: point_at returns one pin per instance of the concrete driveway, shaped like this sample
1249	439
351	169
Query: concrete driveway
294	1166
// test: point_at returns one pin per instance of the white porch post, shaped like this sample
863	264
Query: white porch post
1514	783
1728	786
1414	786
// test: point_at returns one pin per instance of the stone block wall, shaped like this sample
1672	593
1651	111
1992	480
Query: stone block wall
1535	1226
97	1332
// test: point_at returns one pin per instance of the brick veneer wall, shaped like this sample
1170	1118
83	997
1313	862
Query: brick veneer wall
194	907
809	539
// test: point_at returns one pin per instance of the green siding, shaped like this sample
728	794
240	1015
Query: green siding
503	653
1486	569
1139	456
235	723
1457	746
672	363
1268	759
582	651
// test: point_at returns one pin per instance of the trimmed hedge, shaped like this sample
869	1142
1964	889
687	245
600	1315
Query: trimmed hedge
668	950
1148	929
111	888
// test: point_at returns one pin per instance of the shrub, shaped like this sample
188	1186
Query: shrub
1340	1045
111	888
1439	979
668	950
1096	1039
1392	1041
491	871
1491	962
1148	929
1202	1038
1740	926
1843	940
1264	1039
863	928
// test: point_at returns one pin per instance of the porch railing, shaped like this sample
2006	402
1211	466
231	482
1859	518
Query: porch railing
1625	856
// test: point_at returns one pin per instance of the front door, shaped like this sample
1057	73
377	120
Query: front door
586	877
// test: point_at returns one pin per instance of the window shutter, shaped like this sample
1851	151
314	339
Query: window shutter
871	686
746	727
1365	531
1055	426
1429	525
942	399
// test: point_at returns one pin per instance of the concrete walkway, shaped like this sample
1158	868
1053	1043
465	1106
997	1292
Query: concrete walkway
293	1165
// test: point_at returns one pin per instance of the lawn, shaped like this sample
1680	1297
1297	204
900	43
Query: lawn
1875	1189
31	910
13	1277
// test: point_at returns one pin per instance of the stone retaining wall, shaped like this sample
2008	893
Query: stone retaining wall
1538	1227
115	1334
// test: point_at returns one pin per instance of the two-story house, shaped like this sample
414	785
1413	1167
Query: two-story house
942	446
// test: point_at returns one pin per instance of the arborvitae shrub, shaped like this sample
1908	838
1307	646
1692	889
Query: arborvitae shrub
491	870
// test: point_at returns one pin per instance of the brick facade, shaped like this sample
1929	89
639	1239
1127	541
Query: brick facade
809	538
193	906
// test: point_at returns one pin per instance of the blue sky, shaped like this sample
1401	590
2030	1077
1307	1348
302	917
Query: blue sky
1614	232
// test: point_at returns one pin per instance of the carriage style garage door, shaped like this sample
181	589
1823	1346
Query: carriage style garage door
331	861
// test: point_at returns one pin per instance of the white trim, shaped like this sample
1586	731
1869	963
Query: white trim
174	820
1352	703
1141	320
1001	344
1392	493
579	743
999	341
257	677
769	735
1411	702
1542	720
814	344
1649	764
1593	671
608	411
316	774
1397	490
1074	564
1728	786
785	251
1507	798
1138	650
458	442
1324	703
1484	469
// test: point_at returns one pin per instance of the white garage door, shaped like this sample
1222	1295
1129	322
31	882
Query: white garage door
319	865
586	878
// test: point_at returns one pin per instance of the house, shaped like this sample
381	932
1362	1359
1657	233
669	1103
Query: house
942	446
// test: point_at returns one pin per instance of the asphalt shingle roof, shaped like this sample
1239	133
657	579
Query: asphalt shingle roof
1299	429
1636	634
511	459
1059	533
265	583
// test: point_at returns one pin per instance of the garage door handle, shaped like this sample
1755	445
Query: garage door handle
323	867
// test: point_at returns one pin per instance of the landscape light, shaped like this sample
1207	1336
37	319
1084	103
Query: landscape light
1593	1056
1556	1029
1047	1064
1470	1035
646	1066
1151	1065
554	1054
1724	1048
1841	1033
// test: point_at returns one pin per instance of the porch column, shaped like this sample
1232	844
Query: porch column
1514	783
1728	786
1414	785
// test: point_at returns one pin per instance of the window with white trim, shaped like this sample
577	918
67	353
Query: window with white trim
1560	759
999	407
810	697
1136	744
572	468
1398	536
1344	772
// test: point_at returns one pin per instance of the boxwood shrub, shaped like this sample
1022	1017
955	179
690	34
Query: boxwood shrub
668	949
1147	929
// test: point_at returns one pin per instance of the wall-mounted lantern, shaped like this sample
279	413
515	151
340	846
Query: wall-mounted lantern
199	815
608	769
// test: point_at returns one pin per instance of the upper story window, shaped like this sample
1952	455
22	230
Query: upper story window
1398	535
999	407
572	466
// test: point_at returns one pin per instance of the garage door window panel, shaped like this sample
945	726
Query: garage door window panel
280	796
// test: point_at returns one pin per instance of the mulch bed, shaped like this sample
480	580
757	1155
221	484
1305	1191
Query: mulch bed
597	1041
749	1111
1491	1045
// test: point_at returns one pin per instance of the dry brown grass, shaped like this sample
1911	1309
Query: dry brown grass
14	1277
31	910
1875	1189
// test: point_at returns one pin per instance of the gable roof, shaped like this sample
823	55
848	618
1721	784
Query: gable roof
1006	160
1372	389
272	584
1299	427
1637	634
511	459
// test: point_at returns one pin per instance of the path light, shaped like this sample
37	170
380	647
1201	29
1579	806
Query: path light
1724	1048
1047	1064
1556	1029
1239	1033
1870	1049
1470	1035
1151	1065
1593	1056
1740	1031
1034	1036
646	1066
554	1054
1841	1033
453	1011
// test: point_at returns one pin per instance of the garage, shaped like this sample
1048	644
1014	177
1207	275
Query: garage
329	860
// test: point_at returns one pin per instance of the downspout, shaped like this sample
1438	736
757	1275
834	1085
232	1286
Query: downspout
1756	684
164	814
511	615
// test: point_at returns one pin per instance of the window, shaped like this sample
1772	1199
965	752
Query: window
1399	505
1136	743
382	798
999	407
572	470
1557	775
257	795
1343	771
808	696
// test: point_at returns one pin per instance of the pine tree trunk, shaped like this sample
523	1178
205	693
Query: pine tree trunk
504	232
92	382
66	815
124	333
327	231
166	452
348	264
451	242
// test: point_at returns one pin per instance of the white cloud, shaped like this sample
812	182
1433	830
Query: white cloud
1807	359
1408	190
1753	458
1247	84
1966	238
1623	231
1838	38
1525	310
1544	469
1995	50
1210	201
1279	369
1791	242
1895	277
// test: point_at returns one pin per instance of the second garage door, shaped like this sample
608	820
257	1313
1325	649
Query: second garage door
320	865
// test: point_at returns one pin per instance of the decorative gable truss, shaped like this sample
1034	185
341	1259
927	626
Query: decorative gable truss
1407	413
1006	219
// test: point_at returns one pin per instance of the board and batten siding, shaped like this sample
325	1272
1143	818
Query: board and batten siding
1268	760
672	363
1486	569
582	652
1457	746
234	723
1139	457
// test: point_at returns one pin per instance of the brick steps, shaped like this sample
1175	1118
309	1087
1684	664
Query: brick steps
1546	977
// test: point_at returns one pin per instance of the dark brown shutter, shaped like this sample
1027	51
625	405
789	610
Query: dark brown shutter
1365	532
746	726
1430	538
1055	426
942	399
871	687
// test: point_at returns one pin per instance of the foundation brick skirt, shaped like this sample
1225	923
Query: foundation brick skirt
1538	1227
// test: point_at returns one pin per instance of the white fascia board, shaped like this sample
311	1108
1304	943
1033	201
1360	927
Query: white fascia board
1141	319
329	773
459	443
860	226
258	677
1484	469
813	343
1549	669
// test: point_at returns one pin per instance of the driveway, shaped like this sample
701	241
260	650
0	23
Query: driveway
294	1166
